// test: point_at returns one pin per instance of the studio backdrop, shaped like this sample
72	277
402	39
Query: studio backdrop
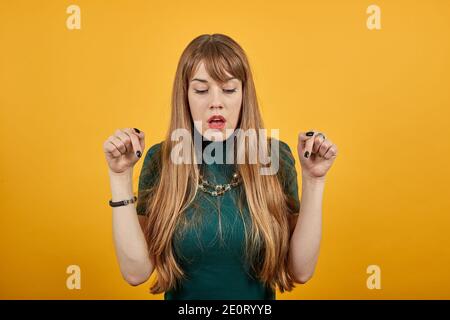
373	75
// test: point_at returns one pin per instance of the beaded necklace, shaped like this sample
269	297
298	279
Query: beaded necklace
218	189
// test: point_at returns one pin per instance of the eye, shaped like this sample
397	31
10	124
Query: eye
204	91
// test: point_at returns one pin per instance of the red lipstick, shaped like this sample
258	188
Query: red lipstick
216	122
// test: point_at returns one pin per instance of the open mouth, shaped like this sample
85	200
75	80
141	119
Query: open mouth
216	122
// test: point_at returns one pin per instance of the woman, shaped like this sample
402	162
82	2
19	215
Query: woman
220	230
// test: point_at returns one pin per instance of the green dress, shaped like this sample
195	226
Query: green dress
213	257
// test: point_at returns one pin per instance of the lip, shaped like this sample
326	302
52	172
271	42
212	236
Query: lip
216	125
216	117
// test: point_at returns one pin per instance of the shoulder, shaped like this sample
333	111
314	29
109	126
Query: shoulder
284	148
287	171
149	176
153	155
153	150
152	160
285	153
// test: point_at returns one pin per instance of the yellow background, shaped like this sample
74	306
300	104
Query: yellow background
381	96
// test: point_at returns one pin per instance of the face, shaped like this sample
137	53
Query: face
207	98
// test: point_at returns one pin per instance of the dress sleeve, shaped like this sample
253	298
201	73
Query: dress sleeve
288	175
148	177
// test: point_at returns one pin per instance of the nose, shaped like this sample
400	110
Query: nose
216	106
216	100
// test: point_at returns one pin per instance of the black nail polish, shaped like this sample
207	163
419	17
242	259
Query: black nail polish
137	130
306	154
310	133
138	153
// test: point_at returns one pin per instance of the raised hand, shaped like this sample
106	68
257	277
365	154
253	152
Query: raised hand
124	149
316	154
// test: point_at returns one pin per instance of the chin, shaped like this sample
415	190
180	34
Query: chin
214	134
218	134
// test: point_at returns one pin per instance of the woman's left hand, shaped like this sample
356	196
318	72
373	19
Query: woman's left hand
316	154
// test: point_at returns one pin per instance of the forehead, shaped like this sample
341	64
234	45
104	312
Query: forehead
201	75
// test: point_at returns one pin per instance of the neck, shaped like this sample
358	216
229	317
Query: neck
210	148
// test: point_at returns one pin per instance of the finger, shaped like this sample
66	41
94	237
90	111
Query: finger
324	147
139	133
309	143
134	141
141	136
120	145
308	148
125	138
111	149
331	152
303	136
318	141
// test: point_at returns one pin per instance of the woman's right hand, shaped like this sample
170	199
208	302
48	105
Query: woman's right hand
124	149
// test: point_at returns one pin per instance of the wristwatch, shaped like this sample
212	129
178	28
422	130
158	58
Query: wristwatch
122	203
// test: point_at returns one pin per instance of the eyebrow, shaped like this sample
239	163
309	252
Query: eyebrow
206	81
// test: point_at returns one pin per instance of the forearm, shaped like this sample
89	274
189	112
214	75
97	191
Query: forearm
306	237
129	241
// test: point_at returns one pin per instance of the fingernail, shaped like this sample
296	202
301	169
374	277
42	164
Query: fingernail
306	154
137	130
138	153
310	133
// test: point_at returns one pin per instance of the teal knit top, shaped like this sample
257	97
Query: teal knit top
211	252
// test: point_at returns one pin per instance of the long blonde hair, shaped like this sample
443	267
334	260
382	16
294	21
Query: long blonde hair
267	244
